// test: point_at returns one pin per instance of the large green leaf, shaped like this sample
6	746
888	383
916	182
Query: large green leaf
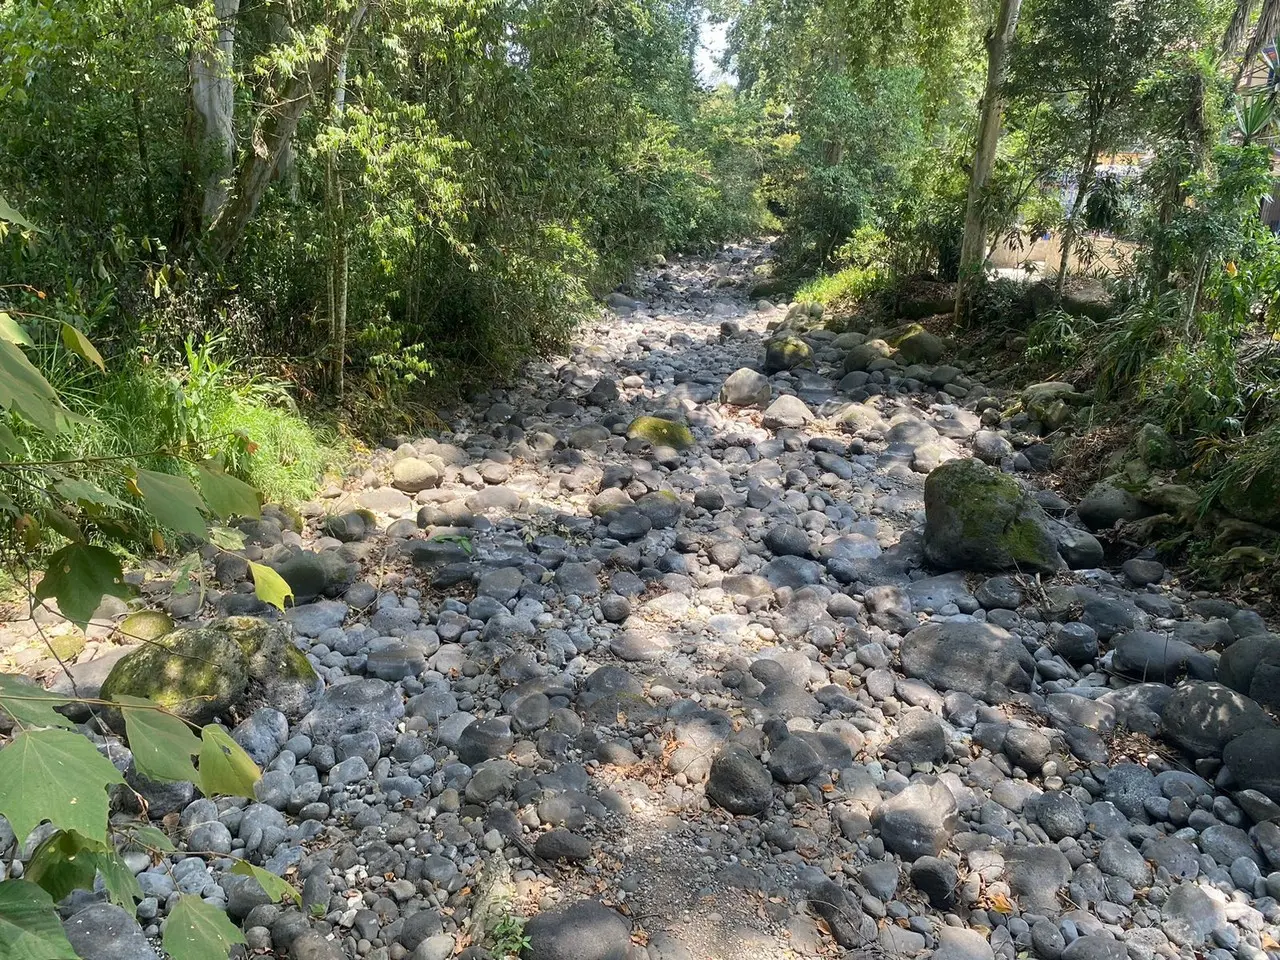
86	494
224	766
142	836
29	925
58	776
162	744
197	931
13	216
12	332
68	861
173	501
122	885
270	586
227	496
79	344
30	704
78	577
9	443
58	521
277	888
24	389
65	861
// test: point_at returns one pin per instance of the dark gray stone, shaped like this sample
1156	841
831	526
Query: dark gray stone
981	660
739	782
586	930
1202	718
103	931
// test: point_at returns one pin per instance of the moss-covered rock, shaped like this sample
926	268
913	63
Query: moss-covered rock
769	288
1257	501
202	672
1154	447
660	432
146	625
67	646
977	518
786	353
863	355
1053	402
918	345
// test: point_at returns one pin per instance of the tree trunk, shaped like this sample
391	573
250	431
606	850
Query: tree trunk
144	163
338	224
213	101
1087	174
272	135
973	246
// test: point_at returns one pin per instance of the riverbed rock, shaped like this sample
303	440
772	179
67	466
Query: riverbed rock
978	518
199	673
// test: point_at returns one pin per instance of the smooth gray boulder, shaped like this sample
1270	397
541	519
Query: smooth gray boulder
979	659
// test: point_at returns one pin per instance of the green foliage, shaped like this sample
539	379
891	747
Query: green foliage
48	773
30	928
197	930
1059	338
55	775
509	939
485	167
867	273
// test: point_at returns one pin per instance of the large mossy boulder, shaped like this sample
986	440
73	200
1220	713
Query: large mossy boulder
200	673
977	518
786	353
917	345
661	433
1258	500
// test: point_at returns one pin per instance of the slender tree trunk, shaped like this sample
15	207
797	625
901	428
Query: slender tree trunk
271	139
339	254
1069	230
973	246
213	100
144	162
